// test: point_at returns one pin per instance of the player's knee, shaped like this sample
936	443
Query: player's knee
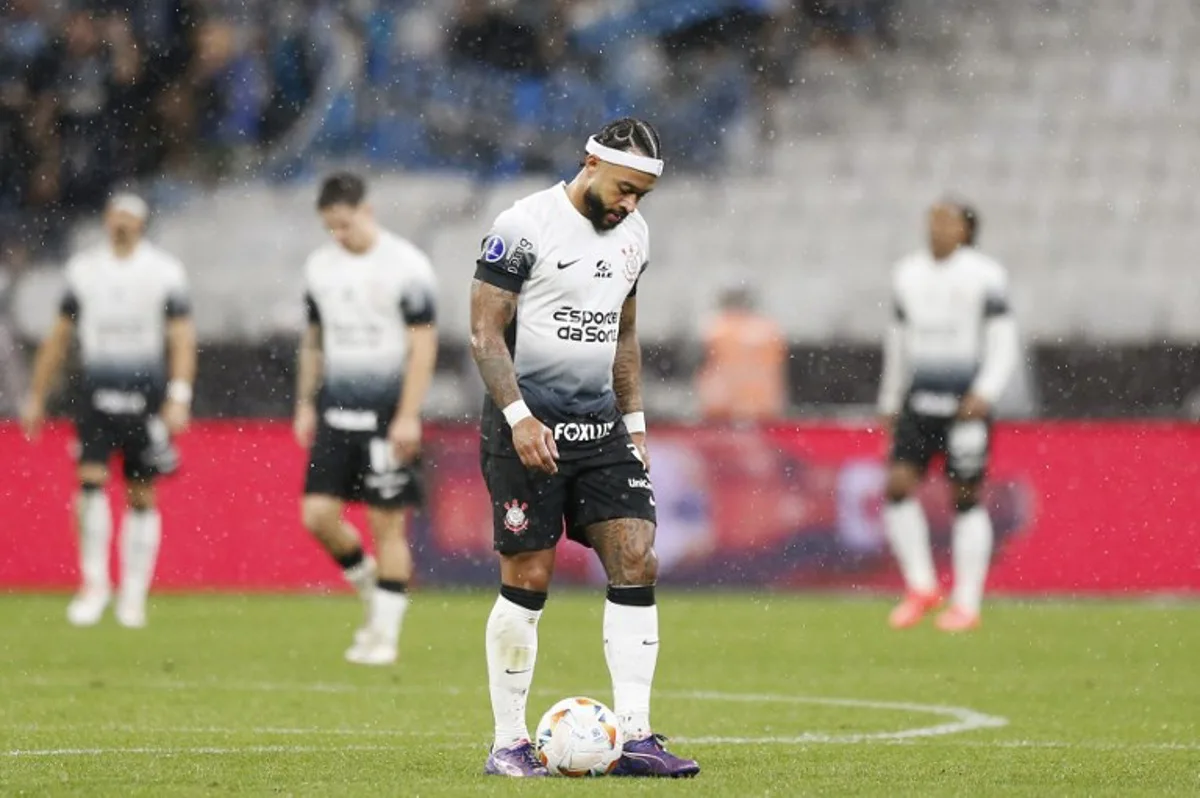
898	490
317	515
386	525
532	571
140	496
88	487
638	563
93	474
902	481
966	498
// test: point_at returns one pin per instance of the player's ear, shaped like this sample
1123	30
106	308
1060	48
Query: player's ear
591	163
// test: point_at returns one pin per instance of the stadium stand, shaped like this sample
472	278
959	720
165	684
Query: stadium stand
1071	125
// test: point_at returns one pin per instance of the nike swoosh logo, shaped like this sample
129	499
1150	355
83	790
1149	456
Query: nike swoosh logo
563	265
649	642
511	672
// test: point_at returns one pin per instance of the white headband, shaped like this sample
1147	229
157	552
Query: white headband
131	204
642	163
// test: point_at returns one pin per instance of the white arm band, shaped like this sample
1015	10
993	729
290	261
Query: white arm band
179	391
635	422
517	412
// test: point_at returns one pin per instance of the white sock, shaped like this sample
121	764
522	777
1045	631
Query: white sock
95	537
511	653
631	649
362	578
908	532
972	554
141	531
387	613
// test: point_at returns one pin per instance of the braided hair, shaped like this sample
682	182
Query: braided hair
631	135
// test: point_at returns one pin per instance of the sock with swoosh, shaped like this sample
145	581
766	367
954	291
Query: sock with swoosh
631	649
511	653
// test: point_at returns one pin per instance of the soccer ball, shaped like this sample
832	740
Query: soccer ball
579	737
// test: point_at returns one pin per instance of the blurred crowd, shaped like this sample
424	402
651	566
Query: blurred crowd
99	92
543	68
106	91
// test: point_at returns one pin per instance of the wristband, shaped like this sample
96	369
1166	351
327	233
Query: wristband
179	391
635	422
517	412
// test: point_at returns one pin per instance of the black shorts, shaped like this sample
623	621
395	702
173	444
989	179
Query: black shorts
966	445
142	440
530	509
359	467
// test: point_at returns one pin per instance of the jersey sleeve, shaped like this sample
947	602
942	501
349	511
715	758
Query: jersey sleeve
995	299
311	312
895	378
1001	345
633	289
179	297
644	251
508	252
418	295
69	304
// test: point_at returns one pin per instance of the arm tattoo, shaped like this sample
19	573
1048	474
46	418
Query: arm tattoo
627	364
492	310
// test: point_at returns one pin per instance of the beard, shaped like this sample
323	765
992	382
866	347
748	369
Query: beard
598	214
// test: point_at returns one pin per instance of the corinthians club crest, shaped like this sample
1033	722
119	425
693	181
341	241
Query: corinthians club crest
634	258
515	519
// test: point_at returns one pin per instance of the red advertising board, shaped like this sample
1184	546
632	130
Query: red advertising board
1078	508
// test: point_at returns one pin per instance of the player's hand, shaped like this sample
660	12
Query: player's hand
176	415
305	423
404	433
33	415
973	406
535	445
639	444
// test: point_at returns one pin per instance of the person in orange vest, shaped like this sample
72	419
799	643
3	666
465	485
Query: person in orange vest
743	377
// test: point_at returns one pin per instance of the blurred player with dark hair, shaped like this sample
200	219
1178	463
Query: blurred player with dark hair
365	365
554	334
123	298
949	353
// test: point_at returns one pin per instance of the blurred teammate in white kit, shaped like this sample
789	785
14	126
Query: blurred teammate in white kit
123	299
949	354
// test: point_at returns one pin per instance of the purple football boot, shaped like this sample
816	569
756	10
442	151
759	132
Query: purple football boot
517	761
647	757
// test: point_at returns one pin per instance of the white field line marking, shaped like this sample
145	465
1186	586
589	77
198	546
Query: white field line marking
305	749
197	750
961	719
1091	745
281	731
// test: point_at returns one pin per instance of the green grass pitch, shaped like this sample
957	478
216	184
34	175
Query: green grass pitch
775	695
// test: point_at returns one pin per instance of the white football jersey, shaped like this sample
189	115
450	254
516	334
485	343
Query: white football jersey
120	307
572	281
364	304
941	309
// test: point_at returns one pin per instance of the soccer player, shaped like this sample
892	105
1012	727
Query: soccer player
554	334
122	298
947	357
365	365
